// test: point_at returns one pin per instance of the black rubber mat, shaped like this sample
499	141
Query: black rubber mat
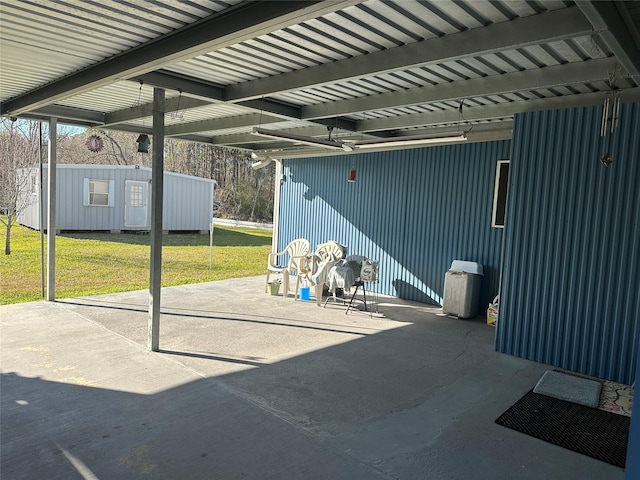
592	432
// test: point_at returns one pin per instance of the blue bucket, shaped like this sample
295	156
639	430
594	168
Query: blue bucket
305	293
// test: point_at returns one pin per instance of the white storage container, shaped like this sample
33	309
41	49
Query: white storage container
462	285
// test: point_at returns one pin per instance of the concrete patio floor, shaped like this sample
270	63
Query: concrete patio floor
253	386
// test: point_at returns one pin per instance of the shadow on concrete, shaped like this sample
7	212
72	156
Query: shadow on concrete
211	357
194	431
280	390
212	316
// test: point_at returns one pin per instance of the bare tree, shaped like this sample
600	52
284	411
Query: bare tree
19	150
116	148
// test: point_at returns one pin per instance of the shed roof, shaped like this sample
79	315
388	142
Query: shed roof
341	70
85	166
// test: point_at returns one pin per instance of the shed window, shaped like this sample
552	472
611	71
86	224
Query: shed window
136	196
98	193
500	194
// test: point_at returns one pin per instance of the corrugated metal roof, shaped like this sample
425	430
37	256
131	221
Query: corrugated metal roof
374	68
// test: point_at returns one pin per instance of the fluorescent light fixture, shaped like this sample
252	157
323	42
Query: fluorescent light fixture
314	142
407	141
261	163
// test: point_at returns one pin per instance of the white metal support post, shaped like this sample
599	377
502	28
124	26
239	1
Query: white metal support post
157	169
276	205
51	206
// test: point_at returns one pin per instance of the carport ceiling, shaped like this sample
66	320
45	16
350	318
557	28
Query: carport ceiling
349	69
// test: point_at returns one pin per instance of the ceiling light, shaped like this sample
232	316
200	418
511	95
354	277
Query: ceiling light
407	141
314	142
260	163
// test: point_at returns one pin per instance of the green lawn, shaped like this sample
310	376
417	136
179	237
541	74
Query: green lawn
95	263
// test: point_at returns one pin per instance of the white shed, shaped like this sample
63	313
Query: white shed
118	198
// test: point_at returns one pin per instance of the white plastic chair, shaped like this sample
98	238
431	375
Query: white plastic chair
296	249
313	268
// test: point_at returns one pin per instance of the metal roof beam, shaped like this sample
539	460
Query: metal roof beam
197	88
222	123
266	111
498	111
145	110
61	120
213	93
233	25
557	75
607	21
545	27
276	109
496	125
291	112
69	114
194	138
187	85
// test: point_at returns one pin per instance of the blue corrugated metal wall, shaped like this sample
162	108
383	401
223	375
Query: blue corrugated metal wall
632	468
413	210
572	266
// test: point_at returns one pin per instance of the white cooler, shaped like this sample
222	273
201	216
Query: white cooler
462	285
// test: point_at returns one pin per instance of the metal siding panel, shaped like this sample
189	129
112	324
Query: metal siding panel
455	218
173	197
28	216
572	267
45	192
117	214
186	206
177	207
64	217
168	203
412	210
71	214
627	330
187	202
194	205
198	204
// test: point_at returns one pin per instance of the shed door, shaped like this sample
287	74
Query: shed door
135	203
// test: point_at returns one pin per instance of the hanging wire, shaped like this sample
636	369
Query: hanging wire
137	104
176	113
461	118
364	118
596	51
614	75
260	118
143	139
